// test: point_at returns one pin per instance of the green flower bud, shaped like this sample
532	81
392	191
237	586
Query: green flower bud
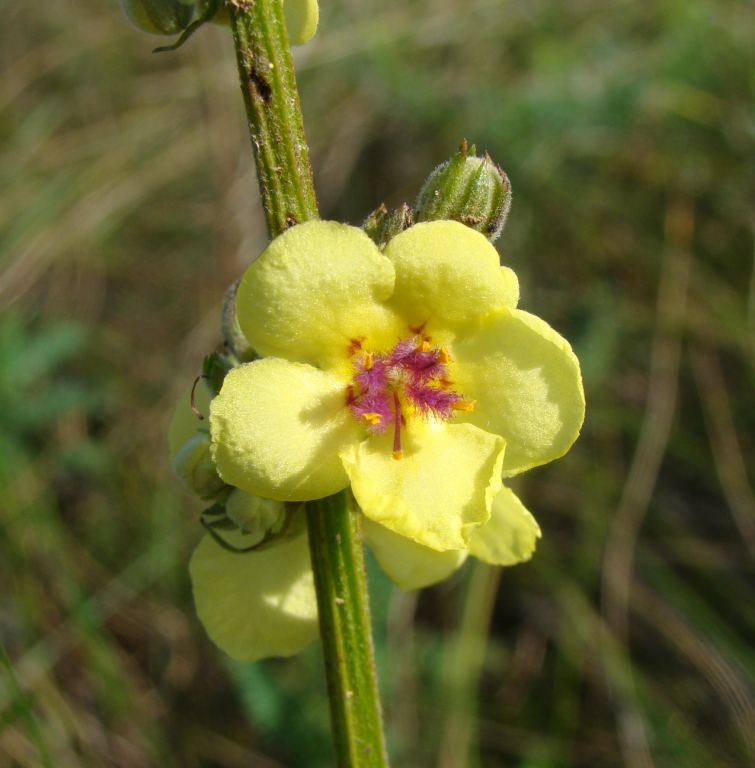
254	514
244	522
382	225
469	189
159	17
231	330
195	468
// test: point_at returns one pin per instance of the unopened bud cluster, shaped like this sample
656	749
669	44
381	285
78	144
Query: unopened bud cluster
468	189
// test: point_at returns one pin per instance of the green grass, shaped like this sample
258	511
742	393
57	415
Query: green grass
128	204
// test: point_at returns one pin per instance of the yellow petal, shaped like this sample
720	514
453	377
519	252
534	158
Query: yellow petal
447	276
527	384
185	424
510	536
256	604
277	428
439	492
510	288
408	564
315	290
301	20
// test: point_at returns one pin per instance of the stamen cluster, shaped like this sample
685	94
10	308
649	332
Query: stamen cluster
413	372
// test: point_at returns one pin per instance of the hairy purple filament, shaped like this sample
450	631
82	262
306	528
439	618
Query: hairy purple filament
412	369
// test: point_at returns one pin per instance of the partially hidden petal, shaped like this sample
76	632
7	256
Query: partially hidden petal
439	492
256	604
510	292
185	423
277	428
301	20
316	290
409	565
527	384
510	536
447	276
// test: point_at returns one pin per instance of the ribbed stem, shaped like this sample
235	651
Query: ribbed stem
335	541
271	98
288	197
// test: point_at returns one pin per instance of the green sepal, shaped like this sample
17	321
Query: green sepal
215	367
382	225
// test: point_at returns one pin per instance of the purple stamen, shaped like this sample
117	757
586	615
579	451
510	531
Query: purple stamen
413	368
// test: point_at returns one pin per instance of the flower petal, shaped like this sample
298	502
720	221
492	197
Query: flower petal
439	492
315	290
527	384
447	276
277	428
301	20
256	604
510	536
408	564
510	288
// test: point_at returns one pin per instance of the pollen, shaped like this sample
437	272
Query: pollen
398	455
424	346
373	419
369	361
464	405
444	356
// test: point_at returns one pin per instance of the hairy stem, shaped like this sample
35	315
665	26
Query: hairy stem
272	106
335	541
268	84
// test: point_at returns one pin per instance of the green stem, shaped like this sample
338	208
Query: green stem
268	84
288	197
335	542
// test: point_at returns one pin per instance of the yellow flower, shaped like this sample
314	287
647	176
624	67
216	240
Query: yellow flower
408	374
257	604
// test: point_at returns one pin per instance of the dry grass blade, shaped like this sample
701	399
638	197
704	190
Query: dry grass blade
619	553
727	454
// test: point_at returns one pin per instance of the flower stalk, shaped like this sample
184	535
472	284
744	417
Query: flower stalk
284	173
268	85
335	542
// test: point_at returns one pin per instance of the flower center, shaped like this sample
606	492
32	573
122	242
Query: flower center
410	379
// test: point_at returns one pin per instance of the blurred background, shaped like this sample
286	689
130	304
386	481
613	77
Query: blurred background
128	203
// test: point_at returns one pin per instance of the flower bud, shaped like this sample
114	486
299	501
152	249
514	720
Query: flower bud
469	189
195	468
382	225
231	330
254	514
159	17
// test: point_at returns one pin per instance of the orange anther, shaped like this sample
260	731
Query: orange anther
464	405
373	419
369	361
398	455
444	356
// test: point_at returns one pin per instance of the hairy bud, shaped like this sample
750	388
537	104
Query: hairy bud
159	17
469	189
195	468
